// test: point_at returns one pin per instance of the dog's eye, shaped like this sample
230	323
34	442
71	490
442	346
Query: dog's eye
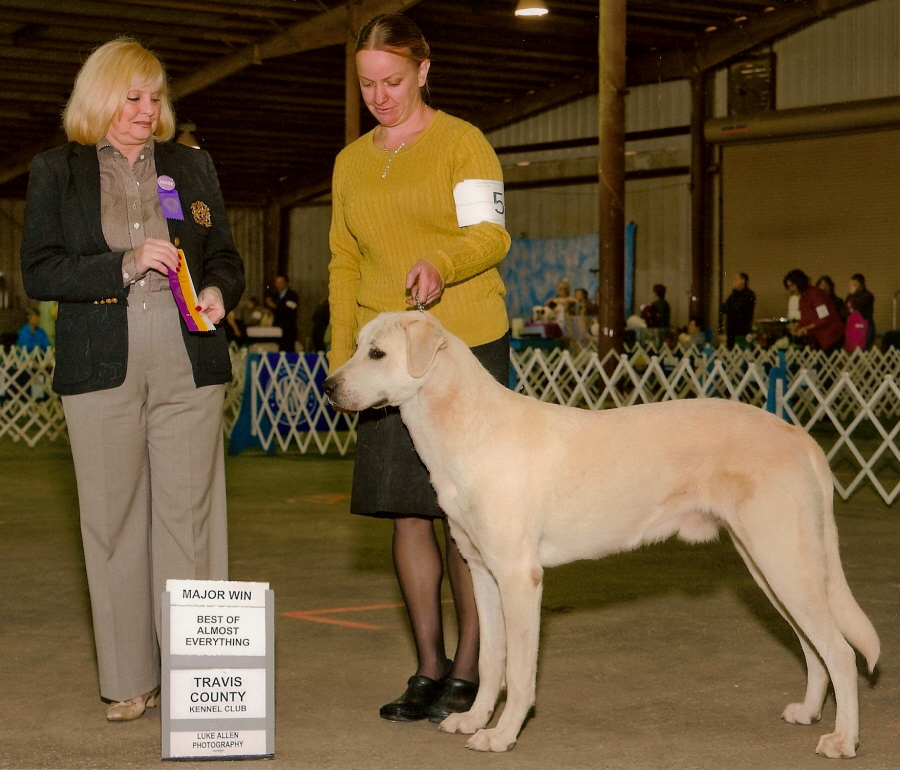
376	353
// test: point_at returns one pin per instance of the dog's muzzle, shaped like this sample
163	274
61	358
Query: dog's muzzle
329	386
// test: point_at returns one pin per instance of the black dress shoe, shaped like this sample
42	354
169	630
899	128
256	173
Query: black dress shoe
457	696
413	705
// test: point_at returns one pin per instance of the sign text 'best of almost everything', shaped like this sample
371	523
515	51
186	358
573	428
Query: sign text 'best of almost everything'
218	670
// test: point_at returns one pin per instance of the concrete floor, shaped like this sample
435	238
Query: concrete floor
666	658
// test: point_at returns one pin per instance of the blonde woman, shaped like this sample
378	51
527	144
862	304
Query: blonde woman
398	240
142	394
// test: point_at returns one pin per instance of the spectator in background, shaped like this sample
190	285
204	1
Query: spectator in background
827	285
48	310
583	304
321	323
285	313
738	310
559	305
233	330
663	311
31	335
693	334
860	299
819	320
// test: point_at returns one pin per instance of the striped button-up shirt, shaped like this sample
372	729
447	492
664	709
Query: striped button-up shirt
130	212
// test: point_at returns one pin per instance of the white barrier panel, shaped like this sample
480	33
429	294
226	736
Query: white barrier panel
849	402
31	411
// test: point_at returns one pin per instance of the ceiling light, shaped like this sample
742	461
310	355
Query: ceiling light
531	8
186	137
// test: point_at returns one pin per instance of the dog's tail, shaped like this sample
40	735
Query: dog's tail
851	620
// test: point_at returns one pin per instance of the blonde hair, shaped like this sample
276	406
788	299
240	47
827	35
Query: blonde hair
102	85
394	33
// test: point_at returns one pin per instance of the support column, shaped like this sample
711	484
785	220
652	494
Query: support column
352	101
351	96
271	243
612	175
699	164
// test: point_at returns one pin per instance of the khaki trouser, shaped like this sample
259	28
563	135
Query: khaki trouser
149	464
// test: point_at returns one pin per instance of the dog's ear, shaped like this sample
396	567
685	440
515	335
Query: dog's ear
423	341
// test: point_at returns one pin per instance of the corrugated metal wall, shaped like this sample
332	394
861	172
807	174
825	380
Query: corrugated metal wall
822	204
853	55
247	231
309	257
659	207
826	205
12	217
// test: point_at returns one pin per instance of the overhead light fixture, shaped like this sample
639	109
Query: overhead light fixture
531	8
186	137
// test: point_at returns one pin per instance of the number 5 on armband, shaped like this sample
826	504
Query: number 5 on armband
479	200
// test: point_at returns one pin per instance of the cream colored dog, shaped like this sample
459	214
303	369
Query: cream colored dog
528	485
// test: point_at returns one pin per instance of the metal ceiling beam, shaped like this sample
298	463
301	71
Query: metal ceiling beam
325	29
496	116
720	47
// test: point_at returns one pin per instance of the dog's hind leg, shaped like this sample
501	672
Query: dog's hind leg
521	587
810	710
795	574
491	656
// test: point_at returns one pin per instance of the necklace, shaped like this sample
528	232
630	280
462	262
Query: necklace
390	158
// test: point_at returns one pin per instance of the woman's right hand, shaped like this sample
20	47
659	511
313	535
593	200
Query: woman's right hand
155	254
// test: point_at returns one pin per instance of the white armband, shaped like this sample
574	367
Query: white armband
479	200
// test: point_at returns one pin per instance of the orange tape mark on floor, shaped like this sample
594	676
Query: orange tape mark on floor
315	616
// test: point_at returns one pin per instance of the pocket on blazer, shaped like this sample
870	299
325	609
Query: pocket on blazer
74	362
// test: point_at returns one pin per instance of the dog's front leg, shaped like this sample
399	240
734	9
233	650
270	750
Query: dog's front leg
492	653
521	586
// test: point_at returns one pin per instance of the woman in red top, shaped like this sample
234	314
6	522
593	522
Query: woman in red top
819	318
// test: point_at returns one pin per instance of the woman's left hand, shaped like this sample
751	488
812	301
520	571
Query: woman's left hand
424	282
210	302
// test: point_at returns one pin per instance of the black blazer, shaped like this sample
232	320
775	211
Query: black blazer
66	258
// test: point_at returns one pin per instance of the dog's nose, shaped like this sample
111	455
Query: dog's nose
329	386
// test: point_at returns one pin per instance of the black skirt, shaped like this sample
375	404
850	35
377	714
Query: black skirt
389	479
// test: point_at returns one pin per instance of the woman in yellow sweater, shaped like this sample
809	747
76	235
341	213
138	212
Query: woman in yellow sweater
417	221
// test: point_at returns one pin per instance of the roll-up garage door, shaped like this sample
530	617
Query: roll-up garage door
826	205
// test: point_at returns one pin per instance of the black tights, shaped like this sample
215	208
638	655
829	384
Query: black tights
420	570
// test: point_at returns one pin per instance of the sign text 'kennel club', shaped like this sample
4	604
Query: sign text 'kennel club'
218	666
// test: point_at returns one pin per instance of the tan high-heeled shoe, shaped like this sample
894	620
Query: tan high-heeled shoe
127	710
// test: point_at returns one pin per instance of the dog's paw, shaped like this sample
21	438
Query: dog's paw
837	745
491	740
466	722
801	714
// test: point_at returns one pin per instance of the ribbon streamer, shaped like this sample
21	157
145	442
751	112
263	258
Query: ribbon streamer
186	298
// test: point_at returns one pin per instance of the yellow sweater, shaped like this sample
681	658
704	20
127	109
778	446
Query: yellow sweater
382	226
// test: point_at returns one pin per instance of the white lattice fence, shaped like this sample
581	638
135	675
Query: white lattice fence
287	408
235	390
30	410
856	426
849	403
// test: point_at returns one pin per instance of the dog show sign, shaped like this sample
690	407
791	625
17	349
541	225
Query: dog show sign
218	670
